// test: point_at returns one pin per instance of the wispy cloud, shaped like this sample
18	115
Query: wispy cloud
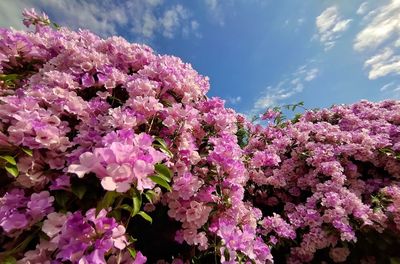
171	20
330	26
274	95
362	9
381	36
144	18
386	86
216	10
383	63
390	90
311	74
234	100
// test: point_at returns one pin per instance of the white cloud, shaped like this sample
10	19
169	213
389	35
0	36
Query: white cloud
390	90
217	10
362	9
311	75
386	86
211	4
285	89
234	100
330	25
384	25
383	63
145	18
381	36
172	19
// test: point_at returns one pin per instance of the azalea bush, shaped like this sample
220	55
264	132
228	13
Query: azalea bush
110	153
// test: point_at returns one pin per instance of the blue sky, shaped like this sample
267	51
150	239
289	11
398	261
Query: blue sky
257	53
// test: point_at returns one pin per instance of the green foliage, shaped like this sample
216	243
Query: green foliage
160	181
161	145
146	216
107	201
136	202
27	151
9	159
12	169
79	190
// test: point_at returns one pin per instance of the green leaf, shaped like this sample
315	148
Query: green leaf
163	170
386	150
79	190
150	195
146	216
55	25
132	252
12	169
131	239
9	159
126	207
137	203
61	198
394	260
9	260
160	181
27	151
163	146
9	77
161	142
116	214
107	201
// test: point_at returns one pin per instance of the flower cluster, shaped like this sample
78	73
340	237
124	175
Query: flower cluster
332	175
79	239
111	153
18	212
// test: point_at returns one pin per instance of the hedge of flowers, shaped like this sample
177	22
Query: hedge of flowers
111	153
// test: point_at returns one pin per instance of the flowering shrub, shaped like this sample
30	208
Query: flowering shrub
113	154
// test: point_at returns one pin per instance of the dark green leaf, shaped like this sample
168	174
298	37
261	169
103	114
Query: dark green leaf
27	151
9	159
160	181
116	214
164	150
394	260
386	150
163	146
9	260
161	142
79	190
132	252
61	198
137	203
107	201
9	77
126	207
146	216
55	25
163	170
164	178
131	239
150	195
12	169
